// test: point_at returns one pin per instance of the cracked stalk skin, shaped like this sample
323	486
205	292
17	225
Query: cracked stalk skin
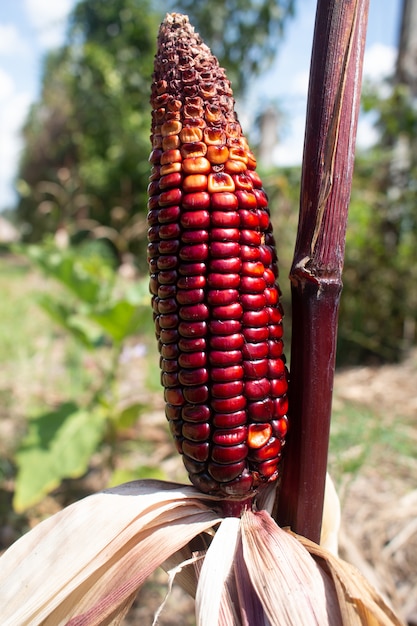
213	272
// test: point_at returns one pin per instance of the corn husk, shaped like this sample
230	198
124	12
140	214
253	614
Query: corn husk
84	565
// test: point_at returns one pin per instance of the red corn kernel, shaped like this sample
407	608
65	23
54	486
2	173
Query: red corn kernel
227	390
224	201
169	231
228	405
248	219
192	329
280	406
172	412
196	395
167	262
191	282
224	249
196	200
256	369
169	335
197	344
232	311
225	473
193	271
192	360
253	351
199	413
169	379
224	327
197	451
250	237
229	454
174	396
268	468
168	277
253	268
252	335
255	319
253	301
224	358
226	281
230	436
171	196
224	374
225	234
195	236
226	421
196	432
169	351
226	266
170	180
169	305
170	156
190	296
225	219
257	389
250	253
194	312
169	246
258	435
222	296
268	451
276	368
280	427
197	252
261	410
279	387
240	486
227	342
195	219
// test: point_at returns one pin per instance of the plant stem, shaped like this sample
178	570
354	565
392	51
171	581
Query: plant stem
332	113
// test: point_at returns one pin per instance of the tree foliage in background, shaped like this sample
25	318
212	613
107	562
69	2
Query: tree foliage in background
379	300
88	135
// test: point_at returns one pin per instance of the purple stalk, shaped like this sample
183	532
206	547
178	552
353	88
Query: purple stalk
316	283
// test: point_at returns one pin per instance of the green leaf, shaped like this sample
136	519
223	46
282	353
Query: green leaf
129	415
58	445
121	319
64	316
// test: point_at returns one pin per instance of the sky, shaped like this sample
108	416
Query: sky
30	28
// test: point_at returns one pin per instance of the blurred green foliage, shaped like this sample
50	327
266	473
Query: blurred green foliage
379	300
101	316
84	165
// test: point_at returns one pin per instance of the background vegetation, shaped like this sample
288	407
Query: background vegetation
76	325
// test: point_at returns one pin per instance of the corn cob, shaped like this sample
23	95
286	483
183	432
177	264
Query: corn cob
213	271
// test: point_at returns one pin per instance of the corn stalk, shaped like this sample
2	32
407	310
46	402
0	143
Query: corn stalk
316	273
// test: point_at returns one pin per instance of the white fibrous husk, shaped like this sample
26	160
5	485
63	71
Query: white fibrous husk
84	565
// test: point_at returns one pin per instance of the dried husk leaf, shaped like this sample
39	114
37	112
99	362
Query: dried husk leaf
290	585
94	555
216	569
359	602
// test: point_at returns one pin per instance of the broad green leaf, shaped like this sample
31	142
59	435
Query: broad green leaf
129	415
58	445
65	317
121	319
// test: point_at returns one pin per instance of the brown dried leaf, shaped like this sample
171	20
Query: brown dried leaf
359	602
84	565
